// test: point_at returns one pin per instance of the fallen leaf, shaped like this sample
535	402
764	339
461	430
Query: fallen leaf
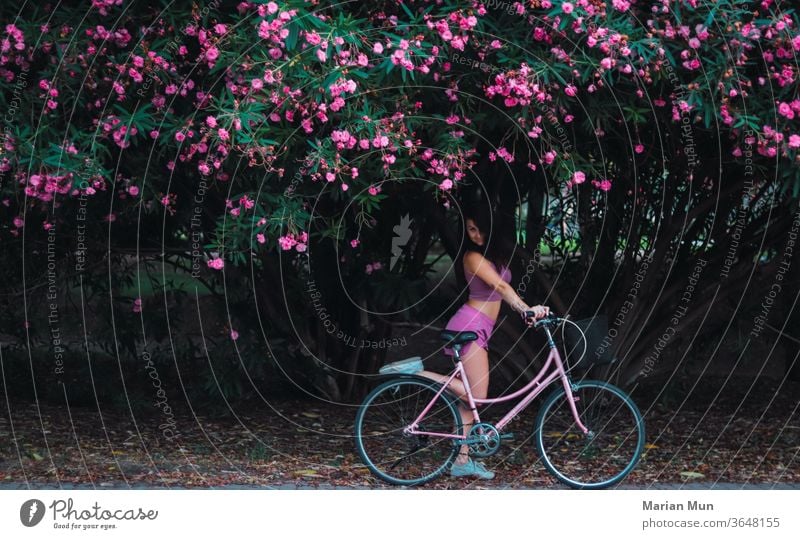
306	473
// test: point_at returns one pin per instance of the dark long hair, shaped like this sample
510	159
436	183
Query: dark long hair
499	245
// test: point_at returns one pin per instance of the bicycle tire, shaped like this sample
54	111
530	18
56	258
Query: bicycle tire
557	436
383	447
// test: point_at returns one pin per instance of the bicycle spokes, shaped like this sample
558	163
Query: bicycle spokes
391	452
607	452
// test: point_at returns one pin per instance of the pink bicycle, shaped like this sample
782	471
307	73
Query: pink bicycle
589	433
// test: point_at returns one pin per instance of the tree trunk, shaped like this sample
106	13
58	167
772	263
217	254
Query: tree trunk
791	306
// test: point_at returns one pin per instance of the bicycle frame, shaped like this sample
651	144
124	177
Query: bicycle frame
533	389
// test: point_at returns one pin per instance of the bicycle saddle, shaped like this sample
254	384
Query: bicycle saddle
456	337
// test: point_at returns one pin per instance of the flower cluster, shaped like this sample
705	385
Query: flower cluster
297	241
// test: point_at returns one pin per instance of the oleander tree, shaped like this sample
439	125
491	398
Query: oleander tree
270	148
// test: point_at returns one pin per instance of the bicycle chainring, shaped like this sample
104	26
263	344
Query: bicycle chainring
484	440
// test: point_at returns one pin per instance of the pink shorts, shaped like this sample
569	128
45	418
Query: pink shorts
469	318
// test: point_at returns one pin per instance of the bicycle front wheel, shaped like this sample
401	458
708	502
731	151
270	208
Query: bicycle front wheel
601	458
407	459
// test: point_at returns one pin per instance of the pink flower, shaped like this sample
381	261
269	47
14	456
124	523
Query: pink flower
639	148
234	334
578	178
212	54
133	190
137	305
377	48
505	154
446	185
223	134
211	122
354	243
345	187
260	238
571	90
287	242
216	263
264	30
179	136
313	38
567	8
794	141
603	185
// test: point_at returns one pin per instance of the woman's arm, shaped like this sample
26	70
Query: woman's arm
476	263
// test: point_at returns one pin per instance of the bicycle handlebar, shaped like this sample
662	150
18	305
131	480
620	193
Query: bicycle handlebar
549	319
553	321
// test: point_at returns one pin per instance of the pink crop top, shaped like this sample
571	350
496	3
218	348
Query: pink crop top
478	289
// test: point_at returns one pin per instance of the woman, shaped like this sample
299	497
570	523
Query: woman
485	261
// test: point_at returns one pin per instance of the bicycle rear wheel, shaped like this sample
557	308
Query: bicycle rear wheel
406	459
605	456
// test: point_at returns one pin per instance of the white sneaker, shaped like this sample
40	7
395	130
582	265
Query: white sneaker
471	467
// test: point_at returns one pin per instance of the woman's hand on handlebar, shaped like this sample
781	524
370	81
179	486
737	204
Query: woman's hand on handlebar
536	313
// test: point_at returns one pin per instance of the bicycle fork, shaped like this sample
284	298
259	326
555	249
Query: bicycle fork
568	384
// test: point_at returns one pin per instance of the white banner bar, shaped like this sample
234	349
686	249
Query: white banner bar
350	514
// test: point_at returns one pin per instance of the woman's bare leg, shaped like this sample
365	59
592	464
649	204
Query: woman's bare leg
476	365
456	385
